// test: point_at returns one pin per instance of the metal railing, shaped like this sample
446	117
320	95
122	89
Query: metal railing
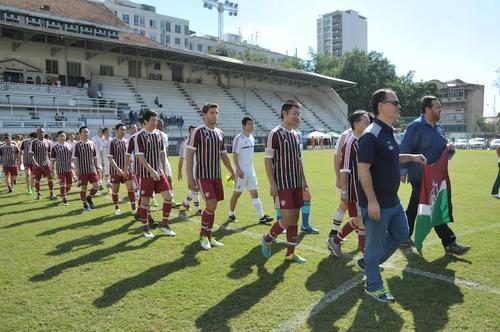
42	89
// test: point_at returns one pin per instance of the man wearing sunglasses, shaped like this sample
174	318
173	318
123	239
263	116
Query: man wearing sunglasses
425	136
383	215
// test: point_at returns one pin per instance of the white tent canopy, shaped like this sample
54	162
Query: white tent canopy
317	134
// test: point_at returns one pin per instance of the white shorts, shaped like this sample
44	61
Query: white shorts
249	182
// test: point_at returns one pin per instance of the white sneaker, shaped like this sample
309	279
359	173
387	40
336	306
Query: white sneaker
149	235
215	243
118	212
167	231
205	244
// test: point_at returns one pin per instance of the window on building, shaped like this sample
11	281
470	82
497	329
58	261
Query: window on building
142	32
106	70
186	30
152	36
200	48
126	18
177	28
186	42
136	20
134	68
157	66
162	25
162	38
141	21
167	39
177	41
167	26
74	69
51	66
152	24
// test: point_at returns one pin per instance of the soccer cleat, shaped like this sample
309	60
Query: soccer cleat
265	248
205	244
497	196
175	204
86	207
266	219
148	234
185	206
457	249
381	295
118	212
198	212
90	202
335	248
29	191
167	231
215	243
309	229
231	218
154	202
361	265
38	197
294	258
53	197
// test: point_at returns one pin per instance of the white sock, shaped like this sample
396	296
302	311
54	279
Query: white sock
231	213
195	196
258	206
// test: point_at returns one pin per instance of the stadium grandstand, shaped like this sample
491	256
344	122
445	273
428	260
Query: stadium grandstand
64	64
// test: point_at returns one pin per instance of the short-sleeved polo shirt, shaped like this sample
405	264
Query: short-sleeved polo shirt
378	147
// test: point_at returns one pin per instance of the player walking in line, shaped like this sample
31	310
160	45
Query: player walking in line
192	195
246	178
28	166
39	151
10	156
60	156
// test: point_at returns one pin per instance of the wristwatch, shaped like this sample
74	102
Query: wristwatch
343	192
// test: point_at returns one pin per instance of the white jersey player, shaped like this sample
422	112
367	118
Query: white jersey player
192	195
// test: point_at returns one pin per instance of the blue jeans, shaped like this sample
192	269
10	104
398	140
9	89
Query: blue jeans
383	237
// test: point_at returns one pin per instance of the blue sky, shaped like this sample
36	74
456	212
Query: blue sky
440	39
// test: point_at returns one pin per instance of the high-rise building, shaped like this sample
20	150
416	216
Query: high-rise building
144	20
340	32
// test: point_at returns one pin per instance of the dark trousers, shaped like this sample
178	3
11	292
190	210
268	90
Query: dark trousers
443	231
496	186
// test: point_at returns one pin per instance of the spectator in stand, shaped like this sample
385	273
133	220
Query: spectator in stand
56	117
131	116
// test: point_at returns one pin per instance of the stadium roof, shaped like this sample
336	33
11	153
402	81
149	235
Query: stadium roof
132	44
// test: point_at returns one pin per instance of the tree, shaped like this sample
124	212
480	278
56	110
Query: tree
483	126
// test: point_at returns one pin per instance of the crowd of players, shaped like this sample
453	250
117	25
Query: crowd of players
139	160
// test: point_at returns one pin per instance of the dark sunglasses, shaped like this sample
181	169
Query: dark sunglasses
396	103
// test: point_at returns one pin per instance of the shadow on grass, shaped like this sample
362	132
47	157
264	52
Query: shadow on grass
86	223
88	240
428	299
244	298
119	290
43	218
92	257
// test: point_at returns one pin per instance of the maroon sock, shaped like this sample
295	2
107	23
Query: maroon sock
63	190
114	196
131	198
51	185
346	230
167	206
361	239
37	187
291	237
205	222
83	196
93	192
142	212
275	230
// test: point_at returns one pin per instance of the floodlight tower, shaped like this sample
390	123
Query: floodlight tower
222	6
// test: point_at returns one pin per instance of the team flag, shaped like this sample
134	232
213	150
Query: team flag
435	207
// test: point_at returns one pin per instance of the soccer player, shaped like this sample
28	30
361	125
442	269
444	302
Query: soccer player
349	185
60	156
39	151
86	167
207	142
116	157
286	178
151	170
161	126
192	195
246	178
28	166
10	155
104	150
97	144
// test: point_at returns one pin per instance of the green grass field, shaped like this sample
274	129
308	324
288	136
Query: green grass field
63	270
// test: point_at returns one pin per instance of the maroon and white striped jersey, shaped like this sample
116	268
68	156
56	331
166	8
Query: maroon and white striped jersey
209	146
62	154
344	136
283	147
40	150
117	150
150	145
9	154
349	165
25	149
85	153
